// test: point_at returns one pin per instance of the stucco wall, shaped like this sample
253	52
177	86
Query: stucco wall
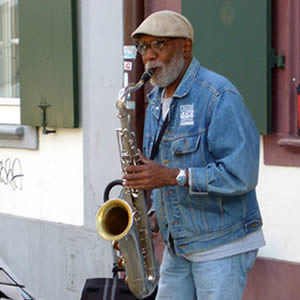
47	183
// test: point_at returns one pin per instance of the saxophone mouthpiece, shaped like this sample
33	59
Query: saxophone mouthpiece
147	75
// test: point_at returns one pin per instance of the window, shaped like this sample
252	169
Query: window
37	78
9	63
9	52
38	69
12	135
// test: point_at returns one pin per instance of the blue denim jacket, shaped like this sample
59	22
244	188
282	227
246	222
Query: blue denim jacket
210	132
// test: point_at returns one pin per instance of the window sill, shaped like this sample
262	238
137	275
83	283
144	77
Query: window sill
18	136
10	101
282	150
291	143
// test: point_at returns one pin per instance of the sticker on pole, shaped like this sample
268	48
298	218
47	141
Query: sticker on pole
127	65
129	52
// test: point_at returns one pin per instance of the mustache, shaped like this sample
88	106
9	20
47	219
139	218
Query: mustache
153	65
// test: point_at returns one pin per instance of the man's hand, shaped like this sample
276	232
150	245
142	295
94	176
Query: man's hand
149	175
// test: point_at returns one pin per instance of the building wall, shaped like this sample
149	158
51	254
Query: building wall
47	219
46	184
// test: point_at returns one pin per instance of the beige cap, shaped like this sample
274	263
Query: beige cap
165	23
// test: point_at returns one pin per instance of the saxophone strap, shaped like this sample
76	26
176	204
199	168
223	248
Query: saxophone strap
155	147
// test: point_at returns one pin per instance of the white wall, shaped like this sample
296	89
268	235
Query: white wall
101	79
279	199
51	185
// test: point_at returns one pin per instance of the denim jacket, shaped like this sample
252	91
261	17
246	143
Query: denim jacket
211	133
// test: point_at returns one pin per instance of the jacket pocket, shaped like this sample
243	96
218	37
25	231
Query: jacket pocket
186	145
187	152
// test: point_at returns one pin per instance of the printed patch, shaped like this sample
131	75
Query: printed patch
186	114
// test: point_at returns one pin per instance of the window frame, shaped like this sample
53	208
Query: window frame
282	147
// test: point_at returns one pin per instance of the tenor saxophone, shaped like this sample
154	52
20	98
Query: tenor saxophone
125	220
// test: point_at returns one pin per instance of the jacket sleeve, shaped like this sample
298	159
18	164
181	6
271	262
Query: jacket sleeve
233	145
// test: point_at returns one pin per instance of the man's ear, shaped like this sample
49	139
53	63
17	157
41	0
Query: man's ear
187	48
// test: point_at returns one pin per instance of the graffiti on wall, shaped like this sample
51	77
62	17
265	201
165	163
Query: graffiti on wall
11	173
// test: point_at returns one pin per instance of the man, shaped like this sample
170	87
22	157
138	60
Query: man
204	174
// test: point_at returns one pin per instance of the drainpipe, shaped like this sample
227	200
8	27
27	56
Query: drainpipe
133	15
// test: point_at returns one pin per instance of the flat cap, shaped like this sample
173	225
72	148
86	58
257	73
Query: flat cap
165	23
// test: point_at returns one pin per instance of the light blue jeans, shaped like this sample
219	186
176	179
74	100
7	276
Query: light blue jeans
221	279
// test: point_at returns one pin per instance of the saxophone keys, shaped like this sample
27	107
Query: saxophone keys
121	263
116	245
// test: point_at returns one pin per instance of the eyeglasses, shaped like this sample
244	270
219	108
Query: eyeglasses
156	46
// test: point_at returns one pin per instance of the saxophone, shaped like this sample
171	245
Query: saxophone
124	220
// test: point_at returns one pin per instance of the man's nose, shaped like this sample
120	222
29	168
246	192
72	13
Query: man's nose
149	55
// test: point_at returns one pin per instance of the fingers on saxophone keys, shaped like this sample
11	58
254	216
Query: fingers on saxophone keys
127	177
127	183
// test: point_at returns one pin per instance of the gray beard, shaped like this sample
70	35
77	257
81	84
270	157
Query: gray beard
169	72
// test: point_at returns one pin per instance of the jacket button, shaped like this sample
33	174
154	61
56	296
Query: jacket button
254	225
166	161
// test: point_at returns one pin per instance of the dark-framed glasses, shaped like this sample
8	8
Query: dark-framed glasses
156	46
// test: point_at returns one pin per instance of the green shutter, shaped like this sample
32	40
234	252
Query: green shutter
233	38
48	63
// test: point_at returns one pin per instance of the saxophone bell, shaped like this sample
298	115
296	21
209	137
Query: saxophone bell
114	219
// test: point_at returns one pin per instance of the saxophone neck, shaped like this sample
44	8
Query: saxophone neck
146	76
124	92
